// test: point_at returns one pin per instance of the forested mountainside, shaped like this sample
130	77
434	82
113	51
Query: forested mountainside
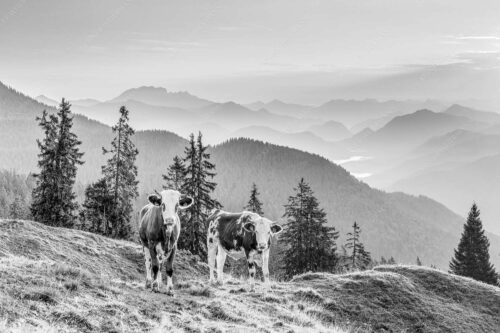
393	224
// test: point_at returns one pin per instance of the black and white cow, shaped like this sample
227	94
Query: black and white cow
235	232
159	231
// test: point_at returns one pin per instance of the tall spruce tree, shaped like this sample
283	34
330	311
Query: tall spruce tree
309	242
471	257
120	173
53	199
359	258
175	177
198	175
98	207
254	204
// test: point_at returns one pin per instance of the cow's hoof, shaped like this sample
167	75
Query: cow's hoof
170	292
156	287
148	284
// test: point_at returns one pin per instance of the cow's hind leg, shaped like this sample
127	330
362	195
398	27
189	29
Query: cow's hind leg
212	254
170	270
147	259
221	259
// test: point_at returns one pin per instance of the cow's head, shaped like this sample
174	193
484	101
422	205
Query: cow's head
263	229
170	202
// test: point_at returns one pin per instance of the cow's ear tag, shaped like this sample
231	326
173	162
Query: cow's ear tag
250	227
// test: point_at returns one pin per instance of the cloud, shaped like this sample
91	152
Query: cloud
477	37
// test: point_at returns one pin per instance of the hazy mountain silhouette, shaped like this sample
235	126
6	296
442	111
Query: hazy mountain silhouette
482	116
158	96
408	131
279	107
352	112
331	131
460	185
46	100
306	141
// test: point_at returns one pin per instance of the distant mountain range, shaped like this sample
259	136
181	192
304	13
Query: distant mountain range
280	107
352	112
394	224
158	96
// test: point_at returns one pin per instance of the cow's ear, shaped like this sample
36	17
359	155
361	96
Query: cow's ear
250	227
154	199
185	202
276	229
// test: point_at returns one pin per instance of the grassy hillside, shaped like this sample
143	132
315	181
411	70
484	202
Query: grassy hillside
65	280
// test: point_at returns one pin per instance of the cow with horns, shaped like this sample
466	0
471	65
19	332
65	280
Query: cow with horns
159	231
246	231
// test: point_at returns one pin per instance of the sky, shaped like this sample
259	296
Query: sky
299	51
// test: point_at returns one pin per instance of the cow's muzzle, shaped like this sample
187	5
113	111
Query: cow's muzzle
261	247
168	222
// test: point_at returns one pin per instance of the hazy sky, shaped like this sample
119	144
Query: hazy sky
302	51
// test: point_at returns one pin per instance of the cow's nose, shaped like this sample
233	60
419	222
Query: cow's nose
262	245
169	221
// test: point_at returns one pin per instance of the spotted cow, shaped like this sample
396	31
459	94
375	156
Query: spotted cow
159	230
245	231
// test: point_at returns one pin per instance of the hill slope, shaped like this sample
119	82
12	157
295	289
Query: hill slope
66	280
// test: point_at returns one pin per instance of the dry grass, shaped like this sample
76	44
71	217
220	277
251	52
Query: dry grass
59	280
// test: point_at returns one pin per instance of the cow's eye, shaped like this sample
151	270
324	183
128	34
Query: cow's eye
163	207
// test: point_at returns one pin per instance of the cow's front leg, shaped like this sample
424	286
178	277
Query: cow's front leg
155	266
251	269
160	254
221	259
147	259
170	270
265	267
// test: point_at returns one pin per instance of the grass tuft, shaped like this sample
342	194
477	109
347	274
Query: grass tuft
200	291
73	319
309	294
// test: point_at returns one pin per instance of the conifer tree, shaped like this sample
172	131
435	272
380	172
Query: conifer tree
310	243
383	261
471	256
254	204
198	175
359	258
17	208
53	199
97	208
391	261
175	177
419	263
120	174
